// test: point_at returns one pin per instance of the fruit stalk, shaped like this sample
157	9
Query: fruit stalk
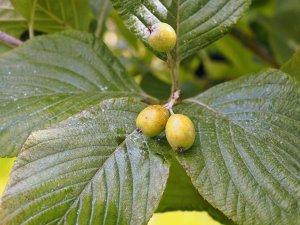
175	91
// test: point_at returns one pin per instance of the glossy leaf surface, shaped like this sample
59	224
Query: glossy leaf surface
93	168
245	161
52	77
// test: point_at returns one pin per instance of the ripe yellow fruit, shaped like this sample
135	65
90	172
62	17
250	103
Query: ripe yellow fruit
162	37
152	120
180	132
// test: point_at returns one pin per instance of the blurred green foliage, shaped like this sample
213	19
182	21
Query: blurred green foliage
255	43
5	167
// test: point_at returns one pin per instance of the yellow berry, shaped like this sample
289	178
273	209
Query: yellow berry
152	120
162	37
180	132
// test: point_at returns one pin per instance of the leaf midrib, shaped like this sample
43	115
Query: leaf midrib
54	17
118	148
76	199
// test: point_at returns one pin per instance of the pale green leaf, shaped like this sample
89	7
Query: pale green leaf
51	16
93	168
4	48
197	23
292	66
52	77
155	87
246	158
11	21
180	194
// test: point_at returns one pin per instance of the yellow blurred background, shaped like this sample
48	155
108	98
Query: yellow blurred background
170	218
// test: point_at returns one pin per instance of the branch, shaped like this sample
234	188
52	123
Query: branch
31	22
9	39
175	92
255	47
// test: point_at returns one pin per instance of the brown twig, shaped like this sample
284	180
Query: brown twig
9	39
255	47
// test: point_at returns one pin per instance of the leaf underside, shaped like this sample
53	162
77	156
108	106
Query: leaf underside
246	159
197	23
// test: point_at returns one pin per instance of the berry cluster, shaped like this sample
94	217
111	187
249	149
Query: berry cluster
180	130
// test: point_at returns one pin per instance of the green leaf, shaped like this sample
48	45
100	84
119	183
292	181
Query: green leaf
4	48
197	23
93	168
52	77
11	21
100	7
240	58
292	66
180	194
128	36
284	31
246	157
155	87
50	17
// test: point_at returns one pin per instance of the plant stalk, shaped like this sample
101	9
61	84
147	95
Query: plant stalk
101	18
31	22
175	91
